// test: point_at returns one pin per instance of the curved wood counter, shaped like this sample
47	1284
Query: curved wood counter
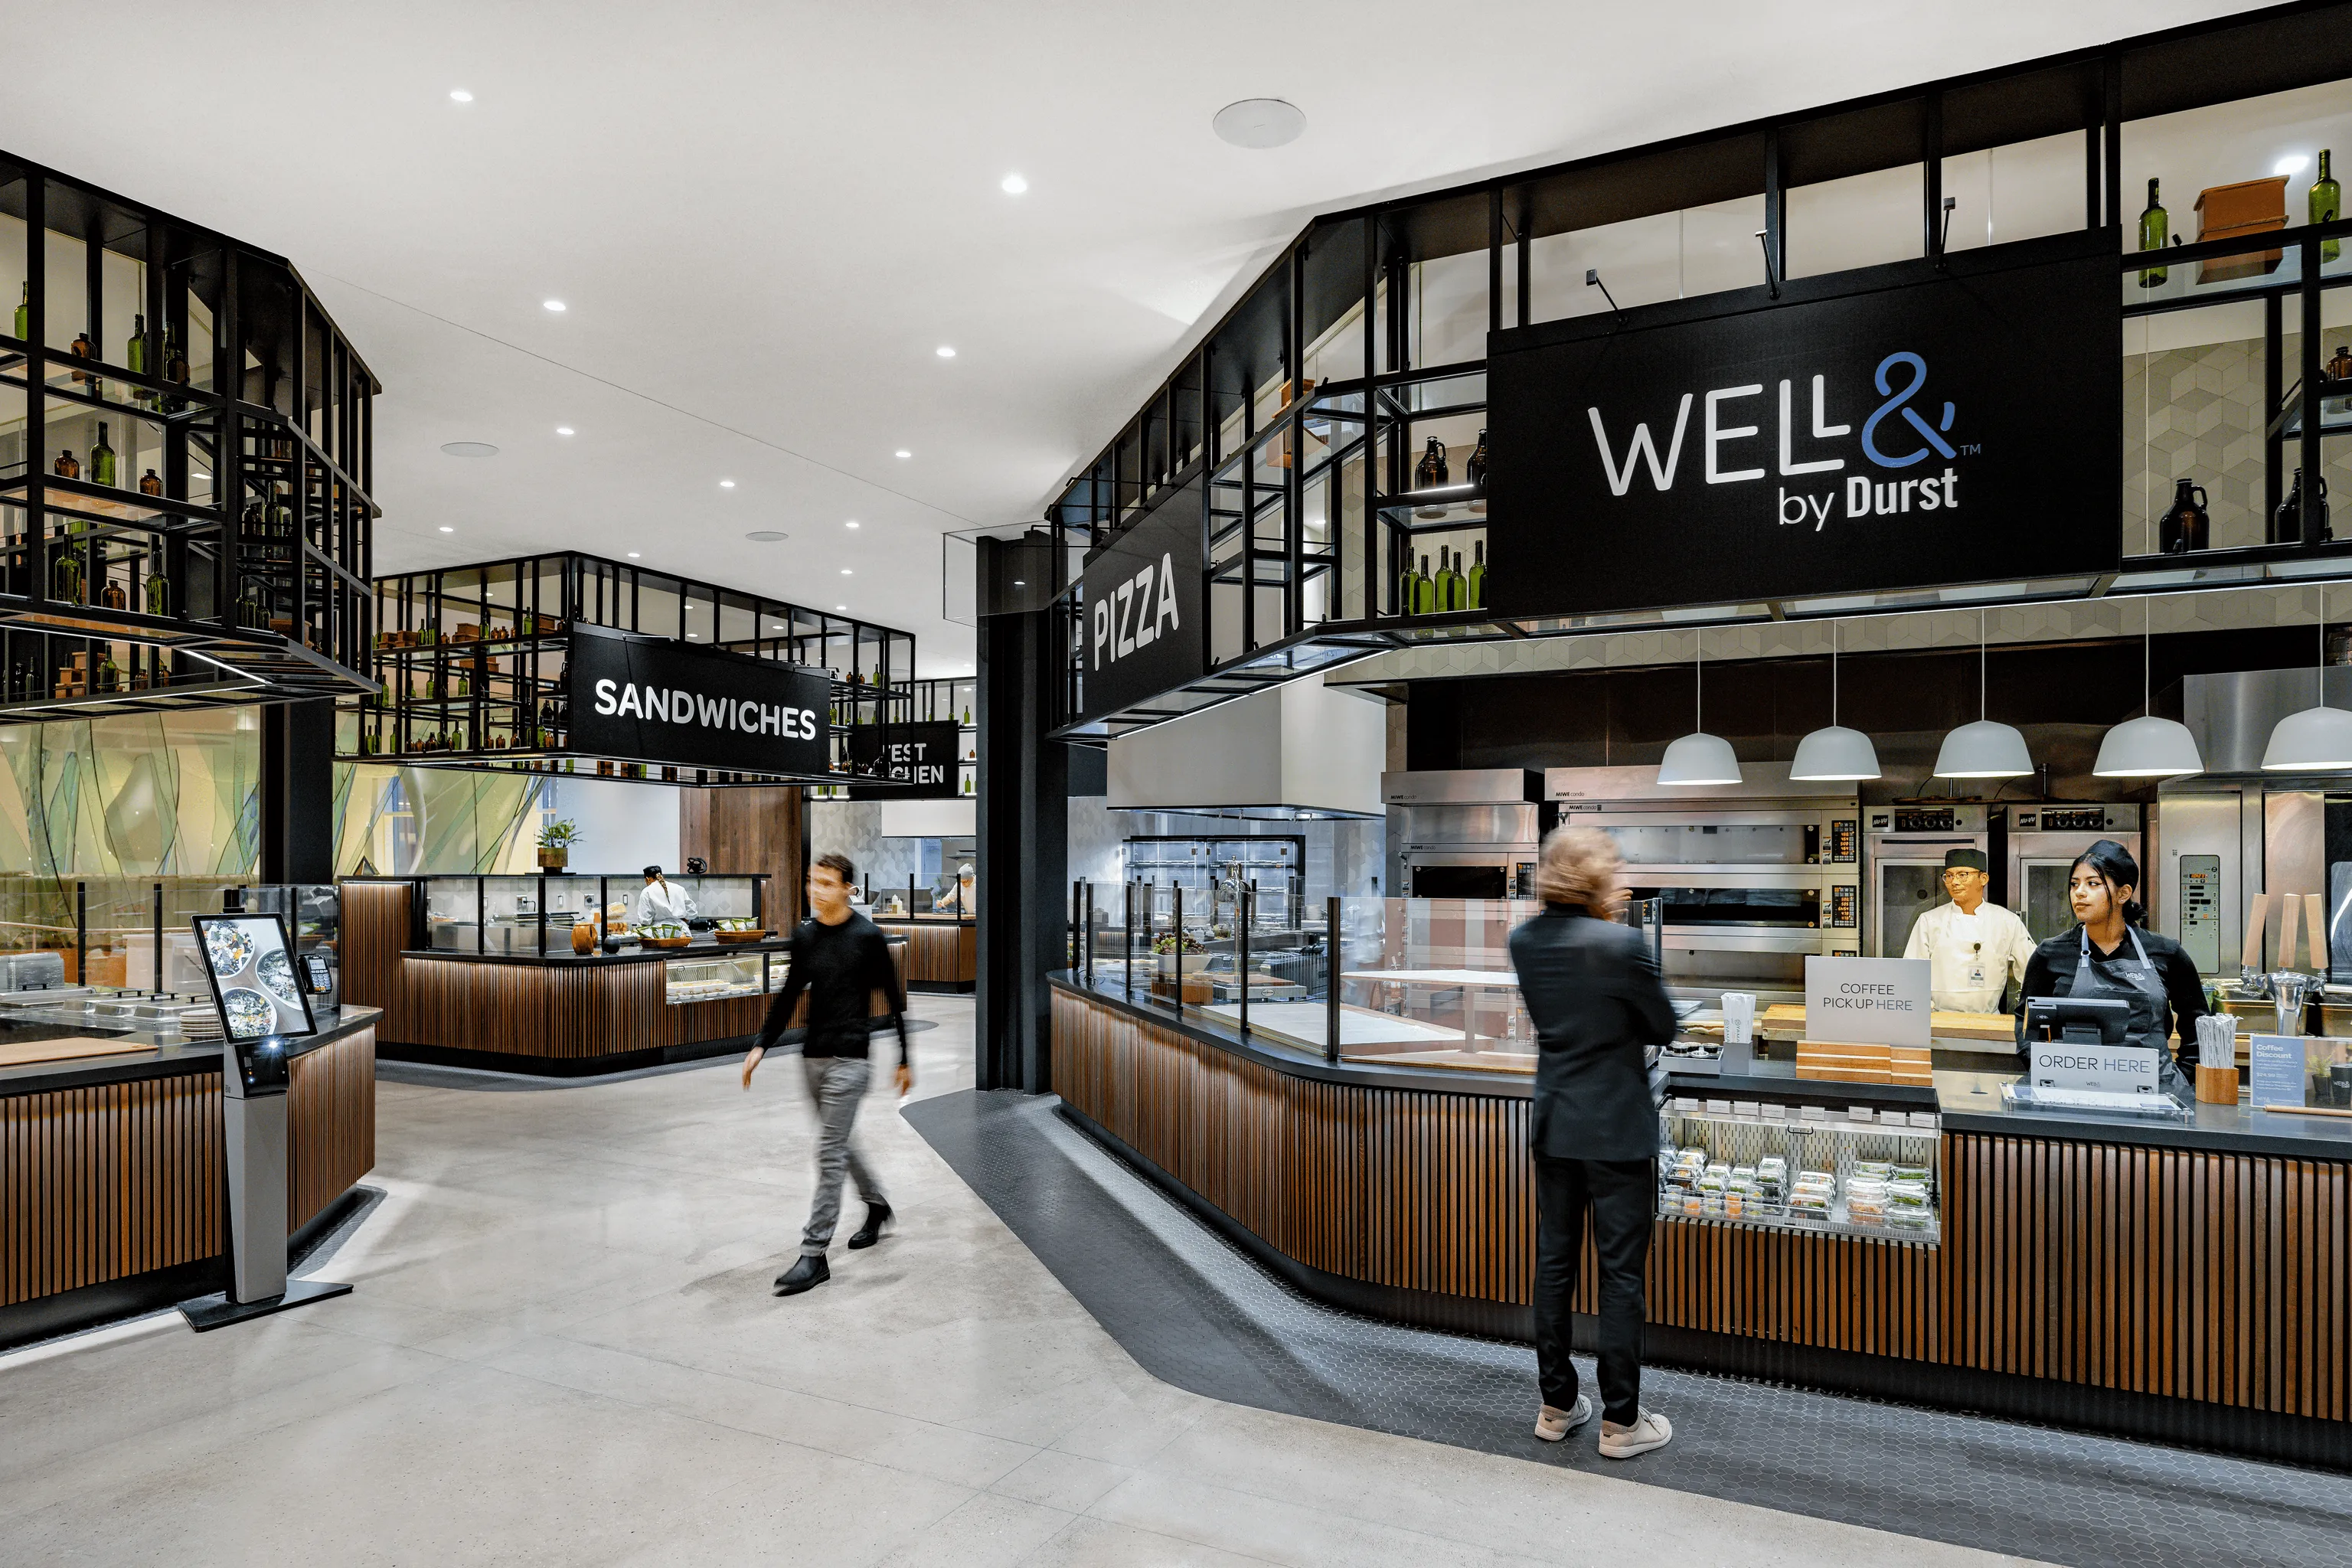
942	951
2185	1282
113	1182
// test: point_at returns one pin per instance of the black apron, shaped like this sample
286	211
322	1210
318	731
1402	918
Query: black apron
2134	981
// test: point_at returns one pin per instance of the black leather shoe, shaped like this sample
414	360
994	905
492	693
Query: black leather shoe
871	1231
805	1275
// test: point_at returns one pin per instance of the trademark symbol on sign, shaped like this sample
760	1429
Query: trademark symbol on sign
1971	448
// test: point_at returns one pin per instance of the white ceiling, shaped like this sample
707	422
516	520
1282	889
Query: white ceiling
765	217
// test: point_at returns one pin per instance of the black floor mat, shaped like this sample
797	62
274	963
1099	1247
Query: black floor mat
1197	1312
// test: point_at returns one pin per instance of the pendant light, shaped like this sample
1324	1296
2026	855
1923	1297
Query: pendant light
1699	758
1834	753
1983	750
2318	739
2149	747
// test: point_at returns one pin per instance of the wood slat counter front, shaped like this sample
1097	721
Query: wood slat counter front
2184	1282
942	951
111	1195
558	1014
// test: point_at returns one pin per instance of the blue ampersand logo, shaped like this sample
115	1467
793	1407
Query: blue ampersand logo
1897	400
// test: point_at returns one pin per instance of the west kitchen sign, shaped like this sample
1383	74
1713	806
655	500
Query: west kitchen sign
1894	428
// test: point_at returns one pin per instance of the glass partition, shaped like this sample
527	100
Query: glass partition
538	915
131	934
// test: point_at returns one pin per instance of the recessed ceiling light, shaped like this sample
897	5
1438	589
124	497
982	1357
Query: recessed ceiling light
469	449
563	429
843	609
692	636
844	571
446	529
946	353
555	305
2293	163
726	484
459	94
633	555
851	524
1259	122
904	453
766	536
1014	184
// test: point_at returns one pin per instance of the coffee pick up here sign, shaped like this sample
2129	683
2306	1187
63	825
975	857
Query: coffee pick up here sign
1867	1001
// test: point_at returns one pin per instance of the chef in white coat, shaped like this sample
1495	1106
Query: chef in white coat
660	900
1974	947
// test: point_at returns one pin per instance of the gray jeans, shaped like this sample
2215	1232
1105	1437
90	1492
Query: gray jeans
836	1085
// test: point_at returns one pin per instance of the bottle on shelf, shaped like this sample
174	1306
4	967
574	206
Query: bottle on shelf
67	465
150	484
175	370
2327	203
1474	470
2154	226
82	348
1408	583
1447	586
102	459
2286	525
109	674
66	575
135	351
25	314
1476	581
113	596
1425	590
159	587
1431	473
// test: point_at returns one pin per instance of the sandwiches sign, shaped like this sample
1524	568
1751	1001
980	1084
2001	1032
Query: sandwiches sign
653	699
1140	600
1895	427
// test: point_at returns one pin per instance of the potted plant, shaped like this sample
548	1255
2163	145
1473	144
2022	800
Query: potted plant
555	841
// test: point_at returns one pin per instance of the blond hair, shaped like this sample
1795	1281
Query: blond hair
1578	866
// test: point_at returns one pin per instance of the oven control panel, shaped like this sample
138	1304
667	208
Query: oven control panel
1845	906
1845	839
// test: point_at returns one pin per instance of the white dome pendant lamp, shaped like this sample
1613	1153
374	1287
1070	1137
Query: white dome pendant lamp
1699	758
1983	750
2318	739
2149	747
1834	753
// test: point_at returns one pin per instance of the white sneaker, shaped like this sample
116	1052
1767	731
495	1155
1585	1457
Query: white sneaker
1651	1431
1555	1423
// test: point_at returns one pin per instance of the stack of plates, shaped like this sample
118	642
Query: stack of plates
200	1024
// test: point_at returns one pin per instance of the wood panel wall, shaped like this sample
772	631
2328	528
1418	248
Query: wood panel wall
111	1180
744	829
2213	1277
937	952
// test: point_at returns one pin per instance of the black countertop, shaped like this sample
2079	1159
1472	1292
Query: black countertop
1968	1101
168	1056
700	949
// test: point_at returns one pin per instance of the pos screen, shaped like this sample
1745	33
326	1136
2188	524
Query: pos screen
254	980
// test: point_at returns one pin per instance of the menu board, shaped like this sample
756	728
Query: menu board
257	986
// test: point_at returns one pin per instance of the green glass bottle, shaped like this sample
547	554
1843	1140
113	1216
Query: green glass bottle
1478	579
2153	227
2327	205
1425	590
25	315
67	574
134	357
101	459
1446	588
1405	580
159	587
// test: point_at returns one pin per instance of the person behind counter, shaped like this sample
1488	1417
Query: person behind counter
660	900
1973	948
1596	1002
2110	955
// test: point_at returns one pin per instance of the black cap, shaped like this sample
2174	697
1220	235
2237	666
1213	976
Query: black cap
1972	859
652	871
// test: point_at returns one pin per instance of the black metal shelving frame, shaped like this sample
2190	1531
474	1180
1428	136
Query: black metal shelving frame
471	659
1306	491
228	561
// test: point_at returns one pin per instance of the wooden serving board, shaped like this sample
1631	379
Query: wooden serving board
24	1053
1788	1018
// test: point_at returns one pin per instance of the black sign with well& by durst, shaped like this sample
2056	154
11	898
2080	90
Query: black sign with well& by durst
922	757
1142	595
1898	426
655	700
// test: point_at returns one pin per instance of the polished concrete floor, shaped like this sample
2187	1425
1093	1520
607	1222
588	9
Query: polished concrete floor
562	1348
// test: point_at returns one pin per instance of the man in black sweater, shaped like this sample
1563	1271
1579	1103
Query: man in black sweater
840	960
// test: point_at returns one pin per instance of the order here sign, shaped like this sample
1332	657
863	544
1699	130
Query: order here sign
1867	1001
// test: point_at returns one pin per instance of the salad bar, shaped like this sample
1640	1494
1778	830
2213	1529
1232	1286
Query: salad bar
489	972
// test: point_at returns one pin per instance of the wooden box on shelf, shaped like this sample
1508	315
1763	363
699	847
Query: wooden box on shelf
2233	212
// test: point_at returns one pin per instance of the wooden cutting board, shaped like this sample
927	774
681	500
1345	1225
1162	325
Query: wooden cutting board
24	1053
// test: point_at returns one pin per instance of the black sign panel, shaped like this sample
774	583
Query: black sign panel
922	755
1143	600
656	701
1900	427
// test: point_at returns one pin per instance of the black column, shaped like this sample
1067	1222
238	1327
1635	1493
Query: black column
1023	832
298	792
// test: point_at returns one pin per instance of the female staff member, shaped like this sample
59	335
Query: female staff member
1596	1001
2110	954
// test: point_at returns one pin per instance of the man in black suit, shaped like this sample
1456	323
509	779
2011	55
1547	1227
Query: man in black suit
1596	1003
